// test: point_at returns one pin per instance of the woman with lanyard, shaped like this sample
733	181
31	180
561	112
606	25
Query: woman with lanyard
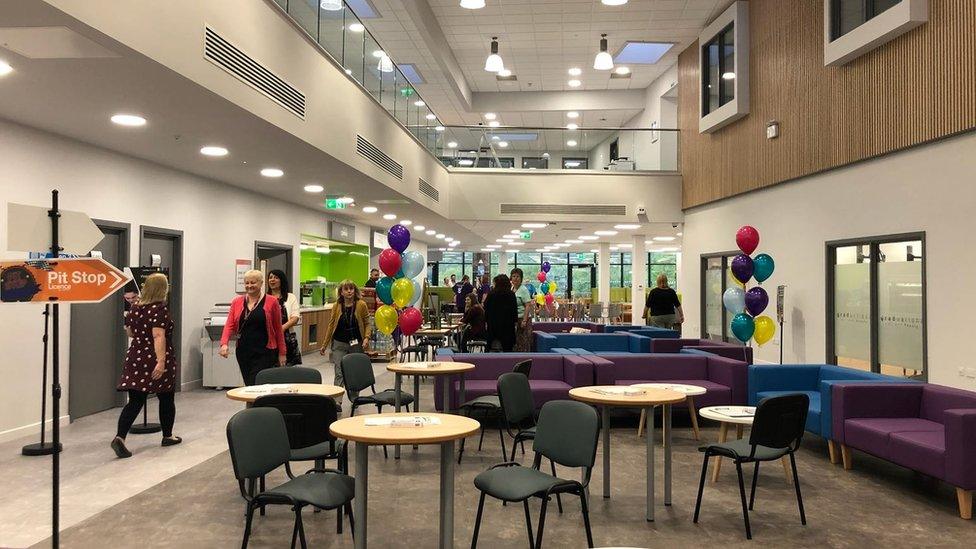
278	289
348	330
257	322
523	329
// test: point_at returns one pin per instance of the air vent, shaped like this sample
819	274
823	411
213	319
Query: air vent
232	59
429	190
564	209
378	157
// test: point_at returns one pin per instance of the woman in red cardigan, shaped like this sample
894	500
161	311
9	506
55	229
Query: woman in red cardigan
260	340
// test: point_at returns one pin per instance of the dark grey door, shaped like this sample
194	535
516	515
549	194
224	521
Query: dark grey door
168	245
276	256
98	339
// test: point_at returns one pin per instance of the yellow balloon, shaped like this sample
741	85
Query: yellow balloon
540	299
402	292
765	328
735	280
386	319
552	287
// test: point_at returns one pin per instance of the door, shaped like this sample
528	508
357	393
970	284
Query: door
167	244
713	286
581	281
98	341
269	256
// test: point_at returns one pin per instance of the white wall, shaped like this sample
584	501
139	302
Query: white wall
220	224
928	188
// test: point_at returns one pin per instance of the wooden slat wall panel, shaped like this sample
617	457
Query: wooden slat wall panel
917	88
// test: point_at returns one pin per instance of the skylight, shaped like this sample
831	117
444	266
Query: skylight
411	73
642	53
362	8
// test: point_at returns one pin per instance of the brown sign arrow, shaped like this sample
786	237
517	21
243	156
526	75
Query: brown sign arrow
78	280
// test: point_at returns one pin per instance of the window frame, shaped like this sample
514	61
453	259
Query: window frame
735	19
878	29
544	160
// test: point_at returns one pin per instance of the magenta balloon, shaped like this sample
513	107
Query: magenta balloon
756	300
742	267
398	237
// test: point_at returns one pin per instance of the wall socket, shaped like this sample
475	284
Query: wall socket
772	129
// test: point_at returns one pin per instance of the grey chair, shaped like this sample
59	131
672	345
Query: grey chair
258	442
307	419
289	374
567	434
776	432
491	405
357	373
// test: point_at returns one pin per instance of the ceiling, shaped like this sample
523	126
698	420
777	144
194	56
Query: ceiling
539	41
571	230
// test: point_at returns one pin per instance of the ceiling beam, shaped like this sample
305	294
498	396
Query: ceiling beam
433	36
558	101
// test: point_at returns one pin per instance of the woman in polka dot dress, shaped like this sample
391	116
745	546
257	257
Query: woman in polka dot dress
150	365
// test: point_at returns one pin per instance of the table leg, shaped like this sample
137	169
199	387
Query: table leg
694	417
738	431
723	436
416	394
397	389
649	433
447	495
640	423
461	399
606	452
666	419
447	394
362	489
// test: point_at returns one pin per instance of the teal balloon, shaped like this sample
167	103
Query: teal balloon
412	263
545	288
743	327
764	266
384	290
400	273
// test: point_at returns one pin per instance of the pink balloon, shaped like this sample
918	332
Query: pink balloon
549	299
390	261
410	320
541	276
747	237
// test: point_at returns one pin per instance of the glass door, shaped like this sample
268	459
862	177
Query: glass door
581	281
713	286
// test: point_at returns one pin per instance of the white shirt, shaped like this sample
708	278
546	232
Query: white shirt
291	306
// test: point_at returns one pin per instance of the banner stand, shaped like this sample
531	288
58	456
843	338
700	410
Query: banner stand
43	448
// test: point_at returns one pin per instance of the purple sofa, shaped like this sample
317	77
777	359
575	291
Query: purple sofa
927	428
725	379
551	378
560	327
728	350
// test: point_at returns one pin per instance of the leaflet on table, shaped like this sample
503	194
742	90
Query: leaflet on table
402	421
617	391
420	365
736	411
269	388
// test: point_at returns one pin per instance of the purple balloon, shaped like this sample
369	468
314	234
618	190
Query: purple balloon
742	267
756	300
546	266
399	238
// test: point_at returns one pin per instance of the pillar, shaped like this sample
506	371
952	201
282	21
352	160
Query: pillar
502	262
638	279
603	275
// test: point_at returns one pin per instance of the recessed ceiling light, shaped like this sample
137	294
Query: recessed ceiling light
440	236
131	120
572	114
604	233
595	251
313	188
574	83
574	241
503	144
486	249
614	248
622	70
389	216
535	225
213	150
331	5
504	73
589	237
348	71
472	4
575	71
516	231
664	238
272	172
490	116
345	200
493	246
613	2
431	116
571	126
430	232
379	54
357	27
670	249
406	222
439	128
5	69
542	249
680	234
419	227
451	144
627	226
503	240
516	243
369	209
465	162
571	143
455	243
494	124
419	103
449	239
496	138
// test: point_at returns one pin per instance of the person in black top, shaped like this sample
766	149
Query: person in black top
374	275
501	312
663	304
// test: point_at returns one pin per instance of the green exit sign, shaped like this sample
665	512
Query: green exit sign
525	235
334	204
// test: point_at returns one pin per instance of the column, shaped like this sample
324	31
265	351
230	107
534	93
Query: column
502	262
603	275
638	279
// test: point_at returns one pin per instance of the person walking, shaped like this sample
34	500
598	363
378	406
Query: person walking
278	288
501	313
150	364
523	331
664	306
256	319
348	330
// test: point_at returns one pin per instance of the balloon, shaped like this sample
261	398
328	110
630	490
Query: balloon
402	292
735	280
541	276
549	299
544	287
546	266
384	290
398	237
743	327
764	266
418	291
734	299
742	268
399	273
756	300
413	263
552	286
532	290
386	319
390	262
747	237
765	328
540	299
410	321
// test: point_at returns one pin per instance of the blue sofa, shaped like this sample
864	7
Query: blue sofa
646	331
815	381
619	342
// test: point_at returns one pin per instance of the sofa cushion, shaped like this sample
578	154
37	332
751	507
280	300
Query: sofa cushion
936	399
872	434
813	413
715	395
923	451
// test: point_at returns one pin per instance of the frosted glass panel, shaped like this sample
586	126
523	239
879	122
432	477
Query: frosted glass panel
900	308
852	311
713	300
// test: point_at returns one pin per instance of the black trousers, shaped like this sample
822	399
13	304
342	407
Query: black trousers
137	399
252	361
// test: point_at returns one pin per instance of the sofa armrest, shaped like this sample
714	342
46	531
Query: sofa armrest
604	372
544	342
734	374
960	431
577	371
871	400
638	343
782	377
827	399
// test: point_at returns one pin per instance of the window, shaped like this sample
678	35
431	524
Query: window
847	15
575	163
855	27
662	263
535	163
716	277
718	71
503	162
723	65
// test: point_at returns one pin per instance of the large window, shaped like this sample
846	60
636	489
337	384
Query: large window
723	68
575	163
847	15
718	70
662	263
855	27
535	163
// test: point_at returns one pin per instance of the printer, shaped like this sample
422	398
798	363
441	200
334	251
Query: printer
218	372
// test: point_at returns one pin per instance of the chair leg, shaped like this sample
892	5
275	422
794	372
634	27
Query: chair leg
528	523
385	454
460	451
542	523
559	502
742	497
338	519
701	486
522	444
482	437
752	492
247	525
262	490
796	484
965	500
301	527
832	451
586	518
477	521
352	521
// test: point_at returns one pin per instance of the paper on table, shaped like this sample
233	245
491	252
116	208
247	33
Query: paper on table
626	391
736	411
420	365
267	388
402	421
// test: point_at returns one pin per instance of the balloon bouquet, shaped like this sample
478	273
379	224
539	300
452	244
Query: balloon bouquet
747	305
547	289
401	288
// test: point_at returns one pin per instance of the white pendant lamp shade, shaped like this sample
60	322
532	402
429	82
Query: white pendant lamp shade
385	64
472	4
494	62
603	60
331	5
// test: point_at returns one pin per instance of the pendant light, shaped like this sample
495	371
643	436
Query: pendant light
494	62
603	60
385	64
472	4
331	5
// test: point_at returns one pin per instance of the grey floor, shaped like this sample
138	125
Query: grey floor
186	496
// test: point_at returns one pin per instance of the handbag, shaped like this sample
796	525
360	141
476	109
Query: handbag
293	354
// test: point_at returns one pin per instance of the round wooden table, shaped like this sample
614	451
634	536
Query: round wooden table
607	396
690	391
251	393
428	368
740	416
450	428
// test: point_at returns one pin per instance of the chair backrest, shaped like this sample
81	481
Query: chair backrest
516	398
357	372
307	417
258	442
567	433
523	367
291	374
780	421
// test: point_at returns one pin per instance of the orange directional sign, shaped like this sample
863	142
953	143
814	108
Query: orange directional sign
79	280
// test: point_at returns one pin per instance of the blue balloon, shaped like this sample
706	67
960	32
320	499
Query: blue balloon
418	290
763	266
743	327
384	290
412	263
531	288
544	287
